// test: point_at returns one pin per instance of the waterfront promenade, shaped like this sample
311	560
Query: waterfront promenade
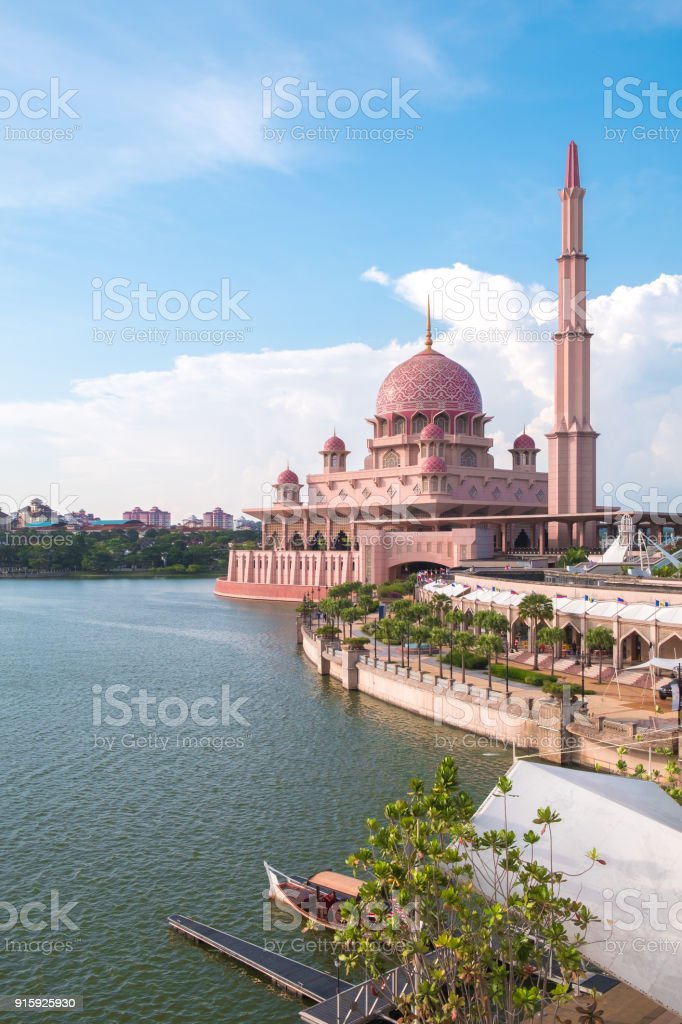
607	729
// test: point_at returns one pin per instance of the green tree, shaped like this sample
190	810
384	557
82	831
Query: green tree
490	644
483	957
440	637
440	604
551	636
463	642
535	608
601	640
348	617
373	629
572	556
420	635
456	617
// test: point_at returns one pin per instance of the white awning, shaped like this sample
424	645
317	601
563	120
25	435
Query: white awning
482	596
455	590
577	606
507	599
604	610
670	616
636	612
637	829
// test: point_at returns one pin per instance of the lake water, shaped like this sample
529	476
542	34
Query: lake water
168	811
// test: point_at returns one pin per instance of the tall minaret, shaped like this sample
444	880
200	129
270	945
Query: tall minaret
572	443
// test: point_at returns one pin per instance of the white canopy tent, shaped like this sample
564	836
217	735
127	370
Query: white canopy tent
637	829
666	664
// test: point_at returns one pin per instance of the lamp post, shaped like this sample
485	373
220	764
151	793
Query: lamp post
337	963
506	665
582	674
679	695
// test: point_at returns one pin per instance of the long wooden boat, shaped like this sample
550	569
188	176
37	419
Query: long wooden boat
317	899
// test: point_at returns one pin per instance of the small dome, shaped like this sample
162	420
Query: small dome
524	441
287	476
431	432
334	444
434	464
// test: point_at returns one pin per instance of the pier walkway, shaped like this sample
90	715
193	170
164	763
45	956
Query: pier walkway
288	974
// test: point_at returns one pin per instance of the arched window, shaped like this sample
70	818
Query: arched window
391	459
418	423
334	461
468	458
399	425
461	425
443	422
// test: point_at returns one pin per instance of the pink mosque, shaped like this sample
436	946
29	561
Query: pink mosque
428	493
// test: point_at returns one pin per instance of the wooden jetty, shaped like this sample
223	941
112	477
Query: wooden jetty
338	1002
297	978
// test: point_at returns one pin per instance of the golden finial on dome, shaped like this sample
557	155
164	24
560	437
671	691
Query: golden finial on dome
427	340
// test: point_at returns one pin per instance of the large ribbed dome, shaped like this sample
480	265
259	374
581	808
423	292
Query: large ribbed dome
429	382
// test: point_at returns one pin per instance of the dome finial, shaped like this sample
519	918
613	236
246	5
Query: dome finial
427	340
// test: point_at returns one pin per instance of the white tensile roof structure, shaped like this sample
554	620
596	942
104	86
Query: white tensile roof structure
637	894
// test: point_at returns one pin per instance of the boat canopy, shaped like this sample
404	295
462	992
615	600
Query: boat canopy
345	884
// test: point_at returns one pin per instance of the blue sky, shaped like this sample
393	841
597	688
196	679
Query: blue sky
168	180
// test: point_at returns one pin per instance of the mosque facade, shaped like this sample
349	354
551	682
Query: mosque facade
428	491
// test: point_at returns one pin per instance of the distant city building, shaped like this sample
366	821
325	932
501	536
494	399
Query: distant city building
151	517
79	519
218	520
36	513
192	523
245	523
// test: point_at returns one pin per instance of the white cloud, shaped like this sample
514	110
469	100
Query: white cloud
216	428
636	363
375	275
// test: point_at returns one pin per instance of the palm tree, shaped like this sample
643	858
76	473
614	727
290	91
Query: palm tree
455	618
489	644
439	602
373	629
463	642
349	615
551	635
600	639
385	633
420	634
441	638
535	608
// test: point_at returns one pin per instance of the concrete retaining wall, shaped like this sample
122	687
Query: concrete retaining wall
534	723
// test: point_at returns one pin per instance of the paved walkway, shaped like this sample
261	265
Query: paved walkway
631	704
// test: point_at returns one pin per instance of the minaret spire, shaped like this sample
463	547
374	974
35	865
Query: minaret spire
428	343
572	168
572	443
